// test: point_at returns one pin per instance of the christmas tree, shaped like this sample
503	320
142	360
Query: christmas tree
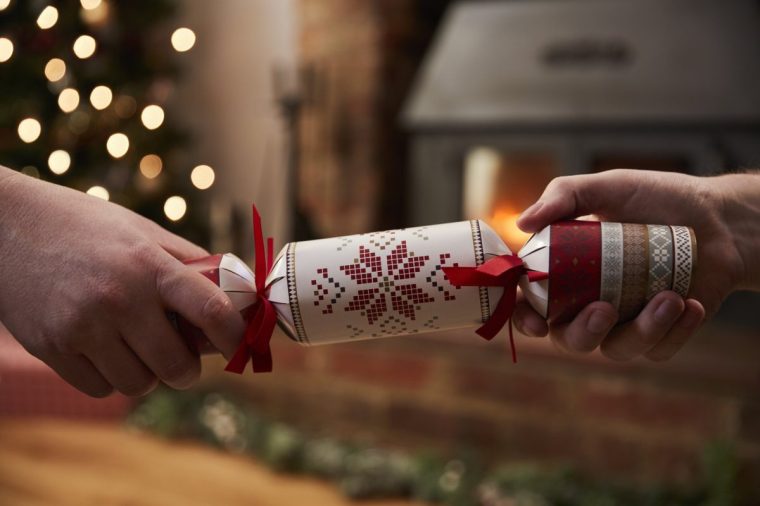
84	86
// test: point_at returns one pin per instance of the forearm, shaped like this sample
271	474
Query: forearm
7	204
5	175
740	211
8	230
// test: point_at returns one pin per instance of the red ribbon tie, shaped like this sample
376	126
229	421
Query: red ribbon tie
260	327
504	271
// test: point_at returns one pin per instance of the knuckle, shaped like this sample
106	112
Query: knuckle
659	356
560	184
111	296
652	335
98	391
582	345
143	253
41	347
60	334
217	308
180	373
612	353
136	387
620	173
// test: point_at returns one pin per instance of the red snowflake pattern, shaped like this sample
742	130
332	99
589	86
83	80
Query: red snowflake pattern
400	265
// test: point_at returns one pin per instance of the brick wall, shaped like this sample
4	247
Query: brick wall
339	127
363	55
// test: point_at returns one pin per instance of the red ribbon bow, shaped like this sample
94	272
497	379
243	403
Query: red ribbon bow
504	270
261	322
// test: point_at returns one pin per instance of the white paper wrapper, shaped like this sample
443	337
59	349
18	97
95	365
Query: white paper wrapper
382	284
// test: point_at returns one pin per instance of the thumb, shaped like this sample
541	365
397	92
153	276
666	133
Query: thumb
201	303
176	246
180	248
607	193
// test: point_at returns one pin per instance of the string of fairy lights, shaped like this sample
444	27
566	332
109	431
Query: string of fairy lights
101	97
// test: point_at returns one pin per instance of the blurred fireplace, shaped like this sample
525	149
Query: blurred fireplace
513	94
556	88
494	176
498	185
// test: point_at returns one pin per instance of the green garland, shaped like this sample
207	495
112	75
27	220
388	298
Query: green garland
364	472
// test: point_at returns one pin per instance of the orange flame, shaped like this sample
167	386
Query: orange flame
504	222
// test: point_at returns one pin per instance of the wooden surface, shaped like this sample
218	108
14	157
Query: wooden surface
74	463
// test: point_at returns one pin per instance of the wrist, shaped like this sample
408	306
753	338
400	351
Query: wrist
7	230
7	177
738	203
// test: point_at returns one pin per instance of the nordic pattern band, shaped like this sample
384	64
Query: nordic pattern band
682	260
660	259
635	275
612	263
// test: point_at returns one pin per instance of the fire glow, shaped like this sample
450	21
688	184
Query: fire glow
504	222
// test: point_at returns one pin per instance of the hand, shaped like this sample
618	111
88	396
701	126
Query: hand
708	205
86	285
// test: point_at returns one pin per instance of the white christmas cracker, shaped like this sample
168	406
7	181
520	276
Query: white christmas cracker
415	280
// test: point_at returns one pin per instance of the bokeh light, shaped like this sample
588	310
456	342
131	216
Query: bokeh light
125	106
151	165
152	117
29	130
48	17
100	192
183	39
117	145
55	69
68	100
96	15
101	97
79	121
90	4
4	4
202	177
6	49
175	208
59	161
84	46
31	170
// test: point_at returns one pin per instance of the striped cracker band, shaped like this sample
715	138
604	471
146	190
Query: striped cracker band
635	267
480	258
612	263
693	250
682	252
295	307
660	259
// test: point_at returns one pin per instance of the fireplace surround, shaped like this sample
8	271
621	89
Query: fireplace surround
590	84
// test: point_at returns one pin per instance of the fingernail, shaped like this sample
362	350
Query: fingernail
667	312
599	322
531	210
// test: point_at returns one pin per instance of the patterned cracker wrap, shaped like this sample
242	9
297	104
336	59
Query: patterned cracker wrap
382	284
620	263
364	286
398	282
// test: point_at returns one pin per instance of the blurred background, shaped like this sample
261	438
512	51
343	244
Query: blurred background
345	116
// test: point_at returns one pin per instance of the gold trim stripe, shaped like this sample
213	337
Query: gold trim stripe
635	270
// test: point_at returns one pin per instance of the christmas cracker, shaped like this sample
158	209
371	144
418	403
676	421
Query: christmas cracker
395	283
